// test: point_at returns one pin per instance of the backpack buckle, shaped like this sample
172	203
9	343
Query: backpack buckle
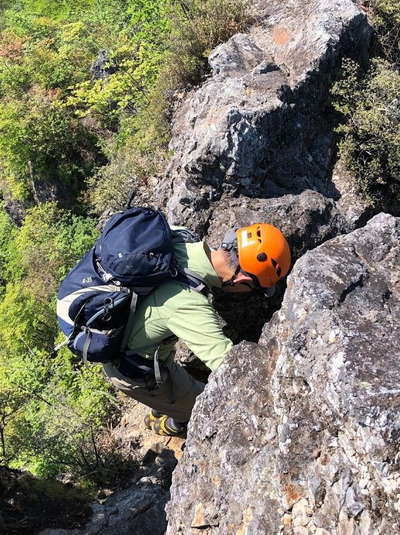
173	272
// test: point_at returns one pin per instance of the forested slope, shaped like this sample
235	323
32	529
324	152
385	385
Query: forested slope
86	89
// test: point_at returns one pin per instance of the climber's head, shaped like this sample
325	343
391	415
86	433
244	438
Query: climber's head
259	255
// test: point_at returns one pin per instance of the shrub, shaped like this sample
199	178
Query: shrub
50	409
370	142
46	49
56	124
199	26
54	115
7	233
128	172
42	143
369	102
385	15
48	244
175	56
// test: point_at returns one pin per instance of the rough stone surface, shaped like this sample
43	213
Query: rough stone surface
299	434
15	210
351	205
28	504
257	126
101	67
138	509
306	220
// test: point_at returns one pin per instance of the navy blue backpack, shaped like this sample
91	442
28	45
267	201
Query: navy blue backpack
133	255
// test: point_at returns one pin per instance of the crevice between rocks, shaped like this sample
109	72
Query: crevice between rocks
359	283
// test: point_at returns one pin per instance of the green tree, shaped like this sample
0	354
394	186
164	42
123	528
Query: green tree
43	145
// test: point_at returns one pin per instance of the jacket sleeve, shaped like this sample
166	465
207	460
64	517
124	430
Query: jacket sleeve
196	324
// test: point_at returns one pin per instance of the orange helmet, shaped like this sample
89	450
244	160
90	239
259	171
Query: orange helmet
263	252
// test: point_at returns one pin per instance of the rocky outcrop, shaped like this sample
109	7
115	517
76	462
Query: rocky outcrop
299	434
101	66
354	208
307	220
28	504
259	126
138	509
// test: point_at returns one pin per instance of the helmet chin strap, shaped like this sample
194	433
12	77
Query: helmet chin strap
231	281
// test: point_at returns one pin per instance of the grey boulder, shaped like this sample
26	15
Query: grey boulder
258	126
300	433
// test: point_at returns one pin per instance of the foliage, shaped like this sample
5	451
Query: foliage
45	49
173	41
199	26
48	244
41	143
7	233
78	76
127	173
50	410
86	91
385	16
33	505
369	101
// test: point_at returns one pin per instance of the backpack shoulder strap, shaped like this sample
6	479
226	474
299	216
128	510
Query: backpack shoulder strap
130	322
190	278
193	280
183	235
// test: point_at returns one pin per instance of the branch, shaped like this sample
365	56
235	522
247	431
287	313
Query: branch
34	191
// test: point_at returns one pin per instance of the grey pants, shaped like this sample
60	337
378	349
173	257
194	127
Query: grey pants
175	397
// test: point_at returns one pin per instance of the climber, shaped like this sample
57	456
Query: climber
249	259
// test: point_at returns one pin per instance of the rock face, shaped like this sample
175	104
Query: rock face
138	510
306	220
28	504
135	510
299	434
257	127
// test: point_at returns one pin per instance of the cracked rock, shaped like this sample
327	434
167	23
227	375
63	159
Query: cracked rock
325	376
258	126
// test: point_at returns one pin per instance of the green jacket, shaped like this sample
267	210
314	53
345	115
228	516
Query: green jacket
174	310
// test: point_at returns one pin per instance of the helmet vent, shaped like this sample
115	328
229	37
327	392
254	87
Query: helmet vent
277	267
